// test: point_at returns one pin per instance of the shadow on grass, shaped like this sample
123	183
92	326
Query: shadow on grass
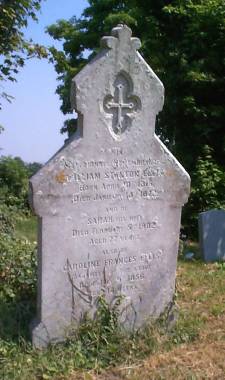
15	318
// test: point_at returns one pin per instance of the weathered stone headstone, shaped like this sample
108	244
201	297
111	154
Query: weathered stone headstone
109	202
212	235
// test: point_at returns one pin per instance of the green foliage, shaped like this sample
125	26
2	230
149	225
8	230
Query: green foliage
17	278
208	182
13	181
33	167
18	255
93	346
220	265
14	176
208	189
69	127
99	339
198	80
14	49
26	227
186	330
17	267
7	222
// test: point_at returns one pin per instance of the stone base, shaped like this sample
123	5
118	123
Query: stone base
40	336
172	315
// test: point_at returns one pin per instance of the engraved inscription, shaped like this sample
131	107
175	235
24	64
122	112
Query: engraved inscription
111	232
116	179
94	275
115	228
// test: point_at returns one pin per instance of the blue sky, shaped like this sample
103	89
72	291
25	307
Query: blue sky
33	120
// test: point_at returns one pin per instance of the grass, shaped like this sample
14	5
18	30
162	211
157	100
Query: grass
193	349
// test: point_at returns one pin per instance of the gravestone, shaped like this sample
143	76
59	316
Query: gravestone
212	235
109	202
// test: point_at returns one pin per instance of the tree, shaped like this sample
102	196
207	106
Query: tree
33	167
14	177
208	189
184	43
13	181
14	49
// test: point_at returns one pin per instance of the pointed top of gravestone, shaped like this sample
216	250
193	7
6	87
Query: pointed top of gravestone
121	90
121	35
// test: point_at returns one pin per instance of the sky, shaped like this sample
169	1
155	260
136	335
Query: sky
33	120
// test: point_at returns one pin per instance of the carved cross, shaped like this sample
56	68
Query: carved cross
121	105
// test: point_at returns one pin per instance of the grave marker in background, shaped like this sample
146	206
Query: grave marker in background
212	235
109	202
